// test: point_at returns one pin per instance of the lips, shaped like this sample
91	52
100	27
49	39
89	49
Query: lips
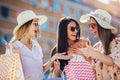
95	33
73	35
35	31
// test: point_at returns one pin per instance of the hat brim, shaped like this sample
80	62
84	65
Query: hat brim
42	20
103	24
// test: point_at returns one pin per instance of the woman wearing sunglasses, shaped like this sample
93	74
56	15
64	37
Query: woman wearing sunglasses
24	40
68	35
107	51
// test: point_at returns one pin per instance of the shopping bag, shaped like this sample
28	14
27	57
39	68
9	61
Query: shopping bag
10	67
79	70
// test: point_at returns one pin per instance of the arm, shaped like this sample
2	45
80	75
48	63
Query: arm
91	52
55	57
11	48
115	52
56	70
47	65
94	53
102	57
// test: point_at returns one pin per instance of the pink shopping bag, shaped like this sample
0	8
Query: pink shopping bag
79	70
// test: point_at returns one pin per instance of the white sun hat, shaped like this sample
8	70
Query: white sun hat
102	17
26	16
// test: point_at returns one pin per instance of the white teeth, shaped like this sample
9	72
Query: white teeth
73	35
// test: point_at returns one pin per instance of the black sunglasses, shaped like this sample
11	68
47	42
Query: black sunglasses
92	25
73	28
36	23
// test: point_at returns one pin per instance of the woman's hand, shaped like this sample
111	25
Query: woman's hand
56	64
82	43
74	51
61	56
10	48
56	69
88	52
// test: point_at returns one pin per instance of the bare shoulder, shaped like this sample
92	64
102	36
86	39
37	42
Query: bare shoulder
82	42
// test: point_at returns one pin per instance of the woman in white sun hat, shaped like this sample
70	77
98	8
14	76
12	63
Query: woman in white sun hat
107	50
24	39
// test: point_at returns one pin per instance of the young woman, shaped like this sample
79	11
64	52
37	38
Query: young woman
107	51
24	40
68	34
68	40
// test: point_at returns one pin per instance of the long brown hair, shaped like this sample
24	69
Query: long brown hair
106	36
62	41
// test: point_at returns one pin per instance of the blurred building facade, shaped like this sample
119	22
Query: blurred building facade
54	10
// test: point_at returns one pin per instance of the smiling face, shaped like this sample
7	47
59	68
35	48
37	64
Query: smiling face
72	31
94	27
34	29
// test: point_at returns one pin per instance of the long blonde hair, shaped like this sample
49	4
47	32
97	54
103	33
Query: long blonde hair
21	32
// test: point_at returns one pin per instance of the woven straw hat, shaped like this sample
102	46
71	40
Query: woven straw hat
102	17
26	16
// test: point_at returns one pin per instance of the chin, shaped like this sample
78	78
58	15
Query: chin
34	36
73	39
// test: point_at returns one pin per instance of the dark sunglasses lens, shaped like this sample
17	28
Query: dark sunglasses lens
72	29
92	25
77	28
36	24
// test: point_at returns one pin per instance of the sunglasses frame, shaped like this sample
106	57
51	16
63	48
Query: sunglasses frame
73	28
36	23
92	25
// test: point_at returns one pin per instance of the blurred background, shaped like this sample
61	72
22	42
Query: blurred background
54	10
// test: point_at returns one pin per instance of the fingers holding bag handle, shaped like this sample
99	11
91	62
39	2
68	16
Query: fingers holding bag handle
10	48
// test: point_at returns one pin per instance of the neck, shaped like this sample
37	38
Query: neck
71	42
25	40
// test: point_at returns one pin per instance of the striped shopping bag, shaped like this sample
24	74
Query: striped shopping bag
79	70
